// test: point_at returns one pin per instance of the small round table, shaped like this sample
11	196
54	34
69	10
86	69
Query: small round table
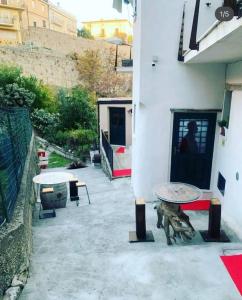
171	196
53	178
177	193
56	180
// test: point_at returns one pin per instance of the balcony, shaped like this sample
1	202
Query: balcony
126	66
12	3
58	21
6	21
221	44
204	39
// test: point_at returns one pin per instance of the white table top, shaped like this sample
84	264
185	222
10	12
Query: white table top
53	178
177	193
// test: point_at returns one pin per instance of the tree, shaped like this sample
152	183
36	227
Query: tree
97	72
77	109
20	90
85	33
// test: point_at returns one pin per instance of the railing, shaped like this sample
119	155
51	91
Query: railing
127	63
108	150
200	16
17	3
6	21
15	137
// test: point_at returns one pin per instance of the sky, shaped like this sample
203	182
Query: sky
89	10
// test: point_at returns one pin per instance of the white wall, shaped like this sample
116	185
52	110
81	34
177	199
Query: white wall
229	162
229	154
170	84
234	73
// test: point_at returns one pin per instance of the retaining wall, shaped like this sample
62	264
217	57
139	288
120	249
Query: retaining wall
16	236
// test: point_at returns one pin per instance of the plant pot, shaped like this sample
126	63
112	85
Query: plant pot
222	131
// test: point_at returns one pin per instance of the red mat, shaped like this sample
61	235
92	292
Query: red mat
233	264
197	205
120	150
122	173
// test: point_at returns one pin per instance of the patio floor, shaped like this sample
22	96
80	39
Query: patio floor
84	254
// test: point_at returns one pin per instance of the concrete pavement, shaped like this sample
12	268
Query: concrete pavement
84	254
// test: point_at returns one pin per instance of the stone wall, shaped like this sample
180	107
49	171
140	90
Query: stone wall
65	44
46	55
16	236
54	69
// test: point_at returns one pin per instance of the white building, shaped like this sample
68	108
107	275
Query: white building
188	70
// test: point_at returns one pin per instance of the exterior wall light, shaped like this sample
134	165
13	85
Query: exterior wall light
155	60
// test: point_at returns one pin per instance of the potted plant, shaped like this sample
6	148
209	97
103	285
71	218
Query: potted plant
222	124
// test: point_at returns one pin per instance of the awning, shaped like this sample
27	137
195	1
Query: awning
118	4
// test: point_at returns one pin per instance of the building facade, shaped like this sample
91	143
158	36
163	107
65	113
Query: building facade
187	78
10	22
36	14
44	14
22	14
107	29
62	21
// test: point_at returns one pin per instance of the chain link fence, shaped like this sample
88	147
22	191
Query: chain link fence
15	137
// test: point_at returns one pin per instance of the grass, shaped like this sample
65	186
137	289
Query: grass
57	161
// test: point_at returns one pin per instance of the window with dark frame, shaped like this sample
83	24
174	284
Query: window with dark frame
200	136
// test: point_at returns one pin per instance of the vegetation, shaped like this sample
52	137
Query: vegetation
57	161
85	33
98	74
19	90
66	118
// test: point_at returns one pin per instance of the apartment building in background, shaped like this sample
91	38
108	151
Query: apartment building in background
10	22
16	15
107	29
35	14
61	21
44	14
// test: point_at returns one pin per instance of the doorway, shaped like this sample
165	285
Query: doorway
192	148
117	126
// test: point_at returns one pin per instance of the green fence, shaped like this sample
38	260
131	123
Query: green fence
15	137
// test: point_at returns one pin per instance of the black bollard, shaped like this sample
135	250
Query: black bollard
73	190
214	232
140	235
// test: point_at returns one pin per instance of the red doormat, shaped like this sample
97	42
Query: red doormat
122	173
233	264
120	150
197	205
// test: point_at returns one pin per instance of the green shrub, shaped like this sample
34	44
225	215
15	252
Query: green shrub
25	91
44	96
9	75
15	95
77	109
77	140
45	123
